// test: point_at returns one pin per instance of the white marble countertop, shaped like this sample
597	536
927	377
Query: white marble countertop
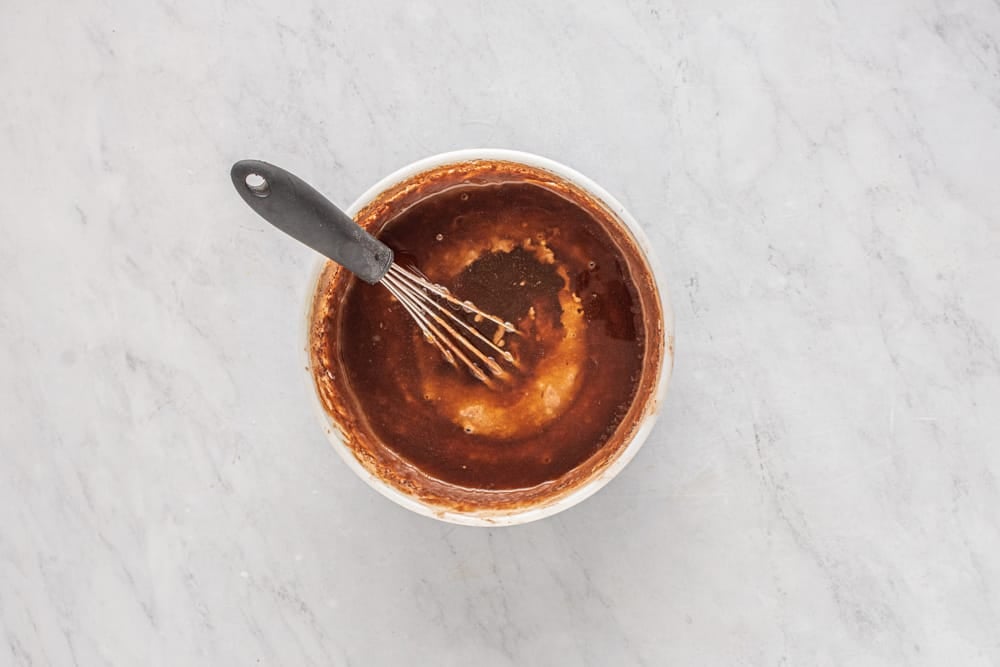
820	179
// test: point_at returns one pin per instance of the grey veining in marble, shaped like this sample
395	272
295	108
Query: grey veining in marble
820	179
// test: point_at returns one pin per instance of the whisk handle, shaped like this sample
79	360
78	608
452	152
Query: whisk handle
296	208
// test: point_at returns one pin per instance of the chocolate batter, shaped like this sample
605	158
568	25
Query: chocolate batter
531	251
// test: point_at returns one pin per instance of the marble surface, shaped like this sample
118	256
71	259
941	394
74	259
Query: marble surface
819	177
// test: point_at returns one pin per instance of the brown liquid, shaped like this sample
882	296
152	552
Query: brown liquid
522	249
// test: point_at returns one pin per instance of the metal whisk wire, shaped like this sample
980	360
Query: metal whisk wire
456	339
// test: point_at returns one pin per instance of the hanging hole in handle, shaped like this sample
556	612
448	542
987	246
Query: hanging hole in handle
257	184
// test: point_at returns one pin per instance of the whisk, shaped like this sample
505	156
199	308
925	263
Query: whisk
296	208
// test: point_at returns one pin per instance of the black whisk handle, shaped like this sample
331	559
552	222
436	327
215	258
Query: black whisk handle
296	208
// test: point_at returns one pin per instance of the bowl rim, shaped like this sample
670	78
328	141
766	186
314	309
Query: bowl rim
516	516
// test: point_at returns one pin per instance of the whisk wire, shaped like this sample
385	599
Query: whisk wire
473	331
416	295
441	333
420	281
430	333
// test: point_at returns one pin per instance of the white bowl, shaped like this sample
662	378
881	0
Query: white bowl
500	517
